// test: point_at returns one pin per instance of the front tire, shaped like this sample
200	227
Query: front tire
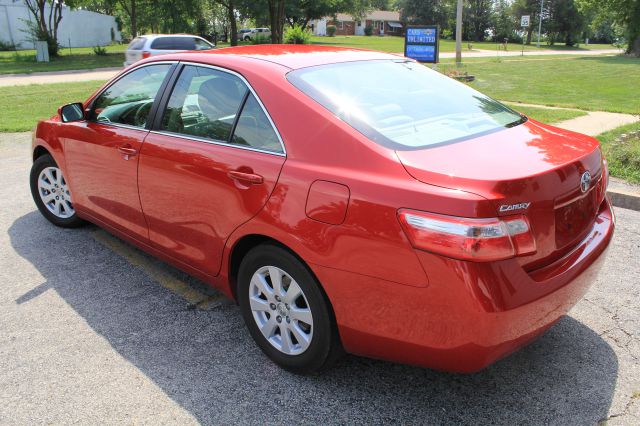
286	311
51	193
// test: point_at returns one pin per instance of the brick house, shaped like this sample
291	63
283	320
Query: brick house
382	22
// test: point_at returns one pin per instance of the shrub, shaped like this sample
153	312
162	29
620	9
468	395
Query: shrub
297	35
5	45
331	30
368	30
100	51
260	39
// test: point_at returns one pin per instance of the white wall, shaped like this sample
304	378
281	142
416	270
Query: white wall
78	27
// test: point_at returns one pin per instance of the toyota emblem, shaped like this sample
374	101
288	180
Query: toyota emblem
585	181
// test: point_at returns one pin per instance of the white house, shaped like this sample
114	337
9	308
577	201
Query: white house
78	28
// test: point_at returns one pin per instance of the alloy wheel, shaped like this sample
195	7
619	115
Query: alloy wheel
54	193
281	310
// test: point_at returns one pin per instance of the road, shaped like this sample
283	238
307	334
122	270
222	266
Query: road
94	331
107	73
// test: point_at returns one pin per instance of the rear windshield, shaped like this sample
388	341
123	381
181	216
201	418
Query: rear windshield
137	43
173	43
403	105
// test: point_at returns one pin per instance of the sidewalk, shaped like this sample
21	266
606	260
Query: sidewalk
57	77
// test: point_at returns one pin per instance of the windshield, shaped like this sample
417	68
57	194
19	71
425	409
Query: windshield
403	105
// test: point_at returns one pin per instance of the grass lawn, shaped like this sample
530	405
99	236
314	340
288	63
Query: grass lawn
395	44
596	83
24	61
548	116
623	158
23	106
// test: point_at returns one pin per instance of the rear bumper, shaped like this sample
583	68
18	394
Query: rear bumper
470	314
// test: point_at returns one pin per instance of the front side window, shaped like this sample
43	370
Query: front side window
204	103
403	105
201	44
129	100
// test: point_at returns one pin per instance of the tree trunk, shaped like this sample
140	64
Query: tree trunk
134	20
233	26
634	47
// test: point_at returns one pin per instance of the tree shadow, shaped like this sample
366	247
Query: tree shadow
206	361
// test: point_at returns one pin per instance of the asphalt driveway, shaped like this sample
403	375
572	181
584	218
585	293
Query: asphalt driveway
95	331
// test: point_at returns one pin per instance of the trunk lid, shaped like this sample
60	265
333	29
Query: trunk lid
530	163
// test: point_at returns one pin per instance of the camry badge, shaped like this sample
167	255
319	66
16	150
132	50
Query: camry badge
585	181
511	207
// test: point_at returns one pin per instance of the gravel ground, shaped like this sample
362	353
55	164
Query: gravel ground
92	331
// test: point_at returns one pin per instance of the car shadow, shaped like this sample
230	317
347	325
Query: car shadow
206	361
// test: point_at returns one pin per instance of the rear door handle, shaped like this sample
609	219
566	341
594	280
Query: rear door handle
246	177
127	151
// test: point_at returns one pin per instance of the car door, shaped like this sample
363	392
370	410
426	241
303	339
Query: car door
101	153
208	165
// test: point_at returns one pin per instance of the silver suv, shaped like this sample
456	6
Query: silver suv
157	44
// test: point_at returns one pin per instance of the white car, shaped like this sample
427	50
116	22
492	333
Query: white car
157	44
256	32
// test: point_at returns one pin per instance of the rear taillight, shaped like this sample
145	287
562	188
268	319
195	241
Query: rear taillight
479	240
146	54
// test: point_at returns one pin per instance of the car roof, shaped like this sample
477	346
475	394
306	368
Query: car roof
292	56
152	36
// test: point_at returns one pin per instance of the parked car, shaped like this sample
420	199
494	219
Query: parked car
243	32
143	47
347	200
256	32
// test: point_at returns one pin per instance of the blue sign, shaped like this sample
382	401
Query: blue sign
421	43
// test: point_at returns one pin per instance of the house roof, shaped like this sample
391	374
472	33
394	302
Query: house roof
376	15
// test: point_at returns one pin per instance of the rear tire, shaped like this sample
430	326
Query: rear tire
51	193
286	311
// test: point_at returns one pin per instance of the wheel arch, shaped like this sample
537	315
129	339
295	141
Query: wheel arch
247	242
39	151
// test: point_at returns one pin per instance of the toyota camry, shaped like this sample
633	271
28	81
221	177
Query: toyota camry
347	200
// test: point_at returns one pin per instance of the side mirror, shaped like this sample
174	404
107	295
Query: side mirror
71	112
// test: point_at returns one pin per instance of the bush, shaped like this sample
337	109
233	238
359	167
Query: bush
260	39
100	51
5	45
368	30
331	30
296	35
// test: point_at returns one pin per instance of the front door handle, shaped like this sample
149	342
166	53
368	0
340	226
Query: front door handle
127	151
251	178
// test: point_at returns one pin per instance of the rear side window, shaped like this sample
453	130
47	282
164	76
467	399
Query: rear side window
204	103
401	104
212	104
129	100
137	43
173	43
254	128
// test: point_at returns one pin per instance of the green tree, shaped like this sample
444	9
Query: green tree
564	22
476	19
624	13
47	21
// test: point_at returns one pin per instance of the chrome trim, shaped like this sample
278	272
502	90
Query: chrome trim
273	126
120	125
215	142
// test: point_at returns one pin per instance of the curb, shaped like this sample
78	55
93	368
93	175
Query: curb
623	194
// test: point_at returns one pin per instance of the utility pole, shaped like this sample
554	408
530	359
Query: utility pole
459	34
540	21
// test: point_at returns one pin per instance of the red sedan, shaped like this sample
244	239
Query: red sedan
347	200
